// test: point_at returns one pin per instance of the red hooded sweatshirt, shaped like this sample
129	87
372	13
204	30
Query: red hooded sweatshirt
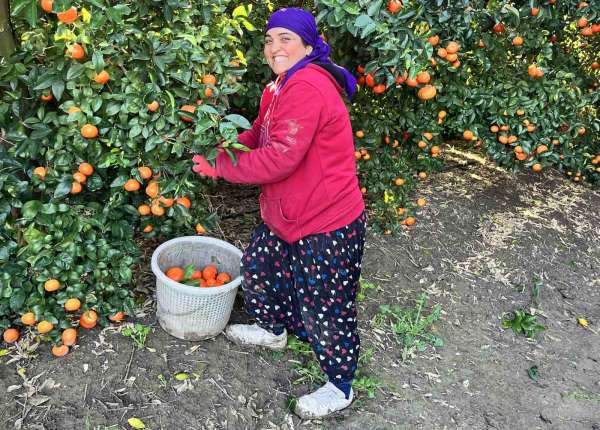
302	157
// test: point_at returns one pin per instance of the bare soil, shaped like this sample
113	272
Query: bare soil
485	239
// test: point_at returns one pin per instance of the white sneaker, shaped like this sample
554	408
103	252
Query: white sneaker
325	401
246	334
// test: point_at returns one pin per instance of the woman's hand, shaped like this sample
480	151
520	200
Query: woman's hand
203	167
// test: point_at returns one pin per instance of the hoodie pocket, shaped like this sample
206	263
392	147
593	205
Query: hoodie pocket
276	213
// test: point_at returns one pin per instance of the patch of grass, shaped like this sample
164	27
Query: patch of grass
411	327
523	322
138	333
365	287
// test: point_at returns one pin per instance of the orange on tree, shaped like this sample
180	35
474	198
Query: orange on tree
200	229
79	177
209	79
422	175
145	172
44	327
76	187
10	335
208	92
185	202
413	83
102	77
153	106
46	5
89	131
517	41
427	92
144	209
60	350
40	172
117	317
421	202
435	151
442	53
537	167
434	40
535	11
157	209
148	228
69	16
468	135
452	47
69	336
399	181
379	89
360	134
166	202
51	285
394	6
175	273
46	97
75	51
132	185
423	77
370	80
28	319
73	304
86	168
88	319
422	144
152	189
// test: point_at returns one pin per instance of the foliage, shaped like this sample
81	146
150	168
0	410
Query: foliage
523	322
411	327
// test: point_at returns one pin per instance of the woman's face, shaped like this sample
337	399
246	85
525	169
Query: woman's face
283	49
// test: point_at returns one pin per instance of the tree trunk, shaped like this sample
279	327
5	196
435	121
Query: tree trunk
7	43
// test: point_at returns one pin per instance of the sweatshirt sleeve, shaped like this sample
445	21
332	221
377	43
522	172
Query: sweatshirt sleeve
291	133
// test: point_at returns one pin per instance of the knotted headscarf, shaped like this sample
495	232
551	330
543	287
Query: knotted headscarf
303	23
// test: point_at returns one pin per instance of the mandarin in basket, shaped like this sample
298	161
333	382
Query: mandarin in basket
209	272
175	273
224	277
212	282
196	274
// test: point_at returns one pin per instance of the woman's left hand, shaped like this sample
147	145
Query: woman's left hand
203	167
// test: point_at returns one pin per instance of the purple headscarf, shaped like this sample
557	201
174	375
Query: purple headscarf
303	23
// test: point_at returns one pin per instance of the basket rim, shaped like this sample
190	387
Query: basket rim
188	289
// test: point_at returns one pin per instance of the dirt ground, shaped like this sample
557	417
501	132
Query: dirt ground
487	243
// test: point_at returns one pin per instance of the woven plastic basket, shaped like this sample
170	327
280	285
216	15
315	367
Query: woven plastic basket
188	312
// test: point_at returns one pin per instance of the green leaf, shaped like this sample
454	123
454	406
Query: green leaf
182	376
58	87
98	61
533	373
31	208
363	21
239	121
75	71
63	188
17	299
136	423
239	11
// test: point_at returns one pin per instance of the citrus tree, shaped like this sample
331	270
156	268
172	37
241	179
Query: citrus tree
102	107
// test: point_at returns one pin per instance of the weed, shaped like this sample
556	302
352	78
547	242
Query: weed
138	333
523	322
365	286
411	327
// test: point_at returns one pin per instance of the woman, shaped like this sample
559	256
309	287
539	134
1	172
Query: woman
302	267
